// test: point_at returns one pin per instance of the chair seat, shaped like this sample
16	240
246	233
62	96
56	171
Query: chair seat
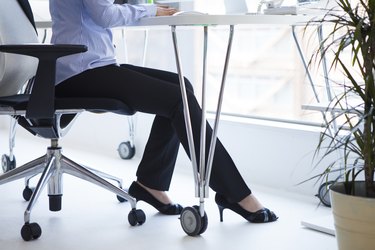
96	105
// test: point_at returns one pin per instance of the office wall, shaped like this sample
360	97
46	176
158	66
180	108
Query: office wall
274	154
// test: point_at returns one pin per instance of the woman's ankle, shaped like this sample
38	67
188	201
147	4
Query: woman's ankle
159	195
250	203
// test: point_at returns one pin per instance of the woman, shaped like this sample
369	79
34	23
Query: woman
96	74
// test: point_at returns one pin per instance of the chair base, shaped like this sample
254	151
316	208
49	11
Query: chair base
52	166
55	201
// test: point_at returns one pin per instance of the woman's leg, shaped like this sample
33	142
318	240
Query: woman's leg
224	172
158	92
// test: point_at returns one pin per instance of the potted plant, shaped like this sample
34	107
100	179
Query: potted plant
351	40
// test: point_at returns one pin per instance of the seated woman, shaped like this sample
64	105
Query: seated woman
97	74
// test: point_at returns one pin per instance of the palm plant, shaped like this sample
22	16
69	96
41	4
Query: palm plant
353	31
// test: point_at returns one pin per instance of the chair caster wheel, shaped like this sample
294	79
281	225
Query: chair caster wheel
27	193
191	221
136	216
121	199
126	150
7	164
323	193
31	231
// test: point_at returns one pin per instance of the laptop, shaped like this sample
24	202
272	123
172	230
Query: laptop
235	7
271	7
315	7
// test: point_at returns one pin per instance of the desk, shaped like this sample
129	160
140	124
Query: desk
43	20
224	20
194	219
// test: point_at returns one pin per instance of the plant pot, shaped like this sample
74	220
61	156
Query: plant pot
354	218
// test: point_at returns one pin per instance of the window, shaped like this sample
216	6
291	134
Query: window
266	77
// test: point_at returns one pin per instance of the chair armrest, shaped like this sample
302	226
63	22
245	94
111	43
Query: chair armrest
43	50
42	98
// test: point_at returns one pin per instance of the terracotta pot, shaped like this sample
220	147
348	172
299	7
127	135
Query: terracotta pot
354	218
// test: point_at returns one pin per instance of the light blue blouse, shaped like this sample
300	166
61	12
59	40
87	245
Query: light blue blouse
89	22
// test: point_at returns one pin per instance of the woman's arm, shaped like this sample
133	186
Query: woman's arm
107	14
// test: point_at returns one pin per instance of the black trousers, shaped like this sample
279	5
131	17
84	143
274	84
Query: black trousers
158	92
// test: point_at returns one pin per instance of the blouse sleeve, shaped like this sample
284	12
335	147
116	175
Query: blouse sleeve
108	15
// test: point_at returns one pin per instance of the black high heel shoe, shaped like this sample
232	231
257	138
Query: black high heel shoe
141	194
261	216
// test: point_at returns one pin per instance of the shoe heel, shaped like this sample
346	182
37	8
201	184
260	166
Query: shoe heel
221	209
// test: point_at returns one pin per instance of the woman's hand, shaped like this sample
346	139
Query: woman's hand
163	10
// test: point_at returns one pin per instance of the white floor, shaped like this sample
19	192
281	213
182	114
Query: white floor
92	218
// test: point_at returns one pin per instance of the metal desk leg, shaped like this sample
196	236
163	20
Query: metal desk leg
325	72
332	130
305	63
194	219
185	105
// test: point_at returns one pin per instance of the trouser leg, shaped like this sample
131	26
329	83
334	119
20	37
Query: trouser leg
157	165
158	92
158	161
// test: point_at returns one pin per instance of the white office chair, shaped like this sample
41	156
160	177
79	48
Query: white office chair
44	115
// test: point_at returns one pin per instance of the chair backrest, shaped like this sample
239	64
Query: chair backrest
15	28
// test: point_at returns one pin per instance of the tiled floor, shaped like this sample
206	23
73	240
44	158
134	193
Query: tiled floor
92	218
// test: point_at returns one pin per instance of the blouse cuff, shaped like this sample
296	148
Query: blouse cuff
150	9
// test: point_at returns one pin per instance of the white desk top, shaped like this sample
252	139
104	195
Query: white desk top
191	20
224	20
